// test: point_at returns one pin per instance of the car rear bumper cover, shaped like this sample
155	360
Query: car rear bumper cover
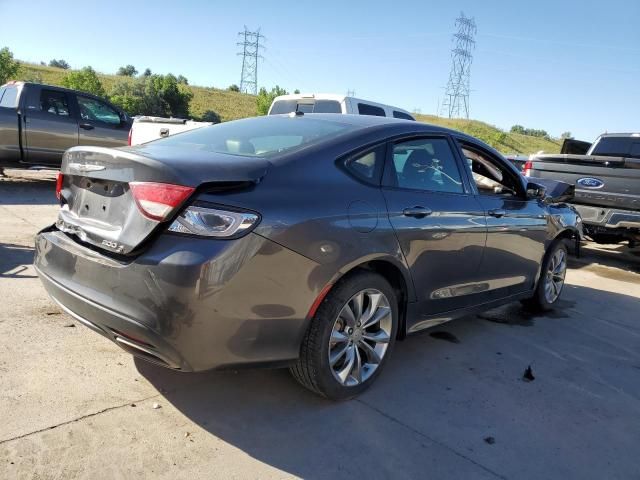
186	303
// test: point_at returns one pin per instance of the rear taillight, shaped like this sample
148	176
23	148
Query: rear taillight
528	166
59	180
129	136
158	200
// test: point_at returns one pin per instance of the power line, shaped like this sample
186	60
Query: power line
250	43
456	97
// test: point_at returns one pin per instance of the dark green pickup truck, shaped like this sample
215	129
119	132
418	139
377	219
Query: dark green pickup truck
39	122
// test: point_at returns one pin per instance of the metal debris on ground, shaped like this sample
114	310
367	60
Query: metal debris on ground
528	375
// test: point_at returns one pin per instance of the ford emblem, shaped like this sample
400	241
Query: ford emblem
590	182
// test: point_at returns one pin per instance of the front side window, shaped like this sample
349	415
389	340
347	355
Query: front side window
426	164
54	103
95	110
257	137
489	175
9	98
366	109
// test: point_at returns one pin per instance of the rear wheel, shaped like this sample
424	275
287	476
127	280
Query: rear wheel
551	282
350	337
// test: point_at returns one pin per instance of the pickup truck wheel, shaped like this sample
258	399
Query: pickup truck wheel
551	282
350	337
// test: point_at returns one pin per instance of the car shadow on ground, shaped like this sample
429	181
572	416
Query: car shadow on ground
28	188
15	260
442	394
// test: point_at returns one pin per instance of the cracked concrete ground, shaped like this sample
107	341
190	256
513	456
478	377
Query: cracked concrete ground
449	405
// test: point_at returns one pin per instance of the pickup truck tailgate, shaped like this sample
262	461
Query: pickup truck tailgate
601	181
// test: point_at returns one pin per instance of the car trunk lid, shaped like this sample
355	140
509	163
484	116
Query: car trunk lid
114	199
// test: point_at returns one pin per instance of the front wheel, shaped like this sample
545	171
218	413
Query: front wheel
551	282
350	337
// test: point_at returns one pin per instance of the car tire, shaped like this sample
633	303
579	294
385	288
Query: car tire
551	281
336	339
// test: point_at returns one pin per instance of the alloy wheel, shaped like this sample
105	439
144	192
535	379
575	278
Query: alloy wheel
554	279
360	337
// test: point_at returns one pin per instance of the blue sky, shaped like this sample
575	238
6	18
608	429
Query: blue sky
572	65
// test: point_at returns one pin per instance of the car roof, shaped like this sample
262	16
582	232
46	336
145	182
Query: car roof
620	135
336	97
54	87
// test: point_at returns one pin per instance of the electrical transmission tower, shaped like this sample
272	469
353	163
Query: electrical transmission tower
456	98
250	43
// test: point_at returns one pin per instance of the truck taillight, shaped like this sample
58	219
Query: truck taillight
158	200
129	136
528	166
59	180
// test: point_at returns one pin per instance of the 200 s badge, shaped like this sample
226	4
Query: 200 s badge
590	182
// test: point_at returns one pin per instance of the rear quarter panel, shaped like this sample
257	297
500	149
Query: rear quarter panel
311	206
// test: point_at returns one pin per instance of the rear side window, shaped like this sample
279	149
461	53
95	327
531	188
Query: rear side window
367	166
366	109
426	164
404	116
9	98
54	103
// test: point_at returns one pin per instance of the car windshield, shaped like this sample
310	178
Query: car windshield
258	137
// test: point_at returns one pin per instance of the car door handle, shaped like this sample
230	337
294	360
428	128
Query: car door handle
86	126
498	212
417	212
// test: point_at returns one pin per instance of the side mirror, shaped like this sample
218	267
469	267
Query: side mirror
535	190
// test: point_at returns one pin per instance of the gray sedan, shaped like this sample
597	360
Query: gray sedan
308	241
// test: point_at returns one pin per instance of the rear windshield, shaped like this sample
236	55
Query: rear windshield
305	106
617	147
257	137
9	97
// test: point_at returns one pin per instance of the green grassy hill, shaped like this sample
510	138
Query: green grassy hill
234	105
229	105
505	142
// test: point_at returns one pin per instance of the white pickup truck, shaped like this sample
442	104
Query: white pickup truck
145	129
